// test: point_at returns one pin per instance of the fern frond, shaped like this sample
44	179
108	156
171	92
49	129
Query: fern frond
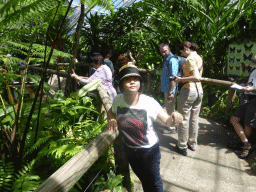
7	175
37	51
39	143
21	45
64	150
26	181
15	10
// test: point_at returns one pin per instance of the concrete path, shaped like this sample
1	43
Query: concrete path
213	167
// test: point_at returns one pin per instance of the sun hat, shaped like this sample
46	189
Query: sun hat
127	71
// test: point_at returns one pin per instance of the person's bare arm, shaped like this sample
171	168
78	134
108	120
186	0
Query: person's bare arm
170	120
112	123
133	60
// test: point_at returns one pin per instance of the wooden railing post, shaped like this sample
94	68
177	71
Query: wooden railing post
120	157
122	163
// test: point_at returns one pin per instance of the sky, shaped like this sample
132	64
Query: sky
117	4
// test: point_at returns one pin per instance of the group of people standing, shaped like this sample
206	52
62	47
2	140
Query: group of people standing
190	95
133	113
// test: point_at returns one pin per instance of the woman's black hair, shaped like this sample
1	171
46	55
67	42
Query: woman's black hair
97	59
107	51
121	87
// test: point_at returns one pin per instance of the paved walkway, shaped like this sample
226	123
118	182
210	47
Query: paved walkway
212	168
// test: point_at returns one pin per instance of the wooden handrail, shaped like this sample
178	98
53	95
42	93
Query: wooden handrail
68	174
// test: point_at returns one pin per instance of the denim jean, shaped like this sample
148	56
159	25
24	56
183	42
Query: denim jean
145	162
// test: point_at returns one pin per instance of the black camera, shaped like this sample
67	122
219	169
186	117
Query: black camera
172	78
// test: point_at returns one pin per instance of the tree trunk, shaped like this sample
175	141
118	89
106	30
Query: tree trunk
69	84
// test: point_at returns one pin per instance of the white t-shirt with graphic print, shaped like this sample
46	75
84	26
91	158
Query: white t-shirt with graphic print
135	123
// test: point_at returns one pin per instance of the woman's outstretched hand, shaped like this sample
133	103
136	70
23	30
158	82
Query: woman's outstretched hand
177	118
112	125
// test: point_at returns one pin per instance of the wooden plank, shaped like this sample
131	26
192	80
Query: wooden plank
67	175
50	71
120	156
216	81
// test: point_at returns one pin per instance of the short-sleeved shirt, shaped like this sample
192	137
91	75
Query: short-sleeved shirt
252	82
193	62
135	123
170	68
104	73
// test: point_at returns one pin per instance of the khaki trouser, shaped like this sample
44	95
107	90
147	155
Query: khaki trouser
170	105
189	105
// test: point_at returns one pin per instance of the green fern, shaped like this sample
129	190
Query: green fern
26	180
37	52
113	183
39	143
64	150
7	175
23	10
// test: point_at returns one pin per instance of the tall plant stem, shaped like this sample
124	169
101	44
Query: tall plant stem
75	45
43	76
39	88
3	104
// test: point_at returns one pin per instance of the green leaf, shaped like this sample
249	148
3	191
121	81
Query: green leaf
89	87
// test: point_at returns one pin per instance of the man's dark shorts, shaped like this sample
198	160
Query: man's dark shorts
247	113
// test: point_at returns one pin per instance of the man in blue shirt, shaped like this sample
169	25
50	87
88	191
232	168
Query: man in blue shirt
170	68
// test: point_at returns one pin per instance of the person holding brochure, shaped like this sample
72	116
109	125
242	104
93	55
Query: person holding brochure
247	114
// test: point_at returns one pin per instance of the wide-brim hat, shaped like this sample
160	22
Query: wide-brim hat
253	61
128	71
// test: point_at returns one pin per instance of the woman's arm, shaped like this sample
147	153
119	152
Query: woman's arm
170	121
195	77
112	123
248	89
133	60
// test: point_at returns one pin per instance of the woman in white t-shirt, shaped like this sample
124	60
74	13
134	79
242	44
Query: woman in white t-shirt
133	113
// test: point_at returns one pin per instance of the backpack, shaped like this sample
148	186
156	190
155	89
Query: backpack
182	60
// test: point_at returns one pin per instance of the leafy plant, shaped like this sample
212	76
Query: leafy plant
113	183
26	180
7	172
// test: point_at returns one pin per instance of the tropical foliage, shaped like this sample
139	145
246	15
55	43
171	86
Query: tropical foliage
51	31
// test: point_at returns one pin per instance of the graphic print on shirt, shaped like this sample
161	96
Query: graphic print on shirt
250	83
133	125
